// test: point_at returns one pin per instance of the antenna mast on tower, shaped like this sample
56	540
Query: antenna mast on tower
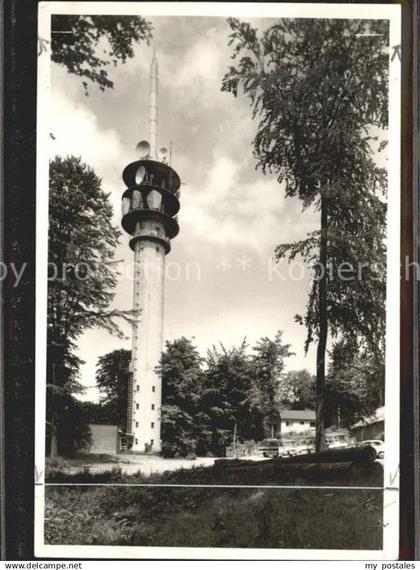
153	106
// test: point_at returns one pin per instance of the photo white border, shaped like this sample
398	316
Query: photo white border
392	384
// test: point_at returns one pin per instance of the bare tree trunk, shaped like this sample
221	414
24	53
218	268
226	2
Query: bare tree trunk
280	430
323	332
53	444
53	424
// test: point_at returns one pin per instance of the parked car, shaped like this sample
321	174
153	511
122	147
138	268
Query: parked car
337	441
377	445
301	447
269	447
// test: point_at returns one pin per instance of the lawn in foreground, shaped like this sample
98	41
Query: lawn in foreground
214	517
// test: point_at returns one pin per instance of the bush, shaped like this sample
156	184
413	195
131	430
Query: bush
53	464
178	448
191	456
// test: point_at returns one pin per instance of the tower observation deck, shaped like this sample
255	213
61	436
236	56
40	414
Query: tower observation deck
149	207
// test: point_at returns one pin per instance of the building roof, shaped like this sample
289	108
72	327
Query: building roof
307	415
377	416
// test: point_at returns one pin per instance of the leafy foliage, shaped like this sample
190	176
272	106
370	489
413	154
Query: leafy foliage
181	394
81	242
226	404
319	88
87	45
298	390
354	385
112	378
268	365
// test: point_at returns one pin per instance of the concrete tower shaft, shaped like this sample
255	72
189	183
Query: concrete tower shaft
149	273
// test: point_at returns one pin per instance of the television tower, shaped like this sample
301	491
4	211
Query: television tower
149	206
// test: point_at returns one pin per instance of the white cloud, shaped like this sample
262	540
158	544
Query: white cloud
225	209
76	131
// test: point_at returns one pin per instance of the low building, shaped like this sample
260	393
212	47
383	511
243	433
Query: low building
296	421
104	439
371	427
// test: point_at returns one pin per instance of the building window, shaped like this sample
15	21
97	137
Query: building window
312	424
302	423
288	423
152	425
137	424
137	406
153	388
137	441
138	388
153	406
157	248
152	441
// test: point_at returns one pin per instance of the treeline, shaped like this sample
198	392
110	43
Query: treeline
234	393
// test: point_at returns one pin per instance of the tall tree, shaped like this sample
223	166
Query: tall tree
319	88
355	384
87	44
268	366
112	377
298	390
81	243
181	395
228	412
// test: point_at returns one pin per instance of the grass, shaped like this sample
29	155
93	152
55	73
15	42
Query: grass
215	517
218	517
264	473
82	459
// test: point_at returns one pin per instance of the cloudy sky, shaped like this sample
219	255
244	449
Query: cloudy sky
220	283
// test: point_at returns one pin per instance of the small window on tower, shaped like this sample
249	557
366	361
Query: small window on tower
152	425
152	441
138	388
153	388
137	441
153	406
137	424
137	406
